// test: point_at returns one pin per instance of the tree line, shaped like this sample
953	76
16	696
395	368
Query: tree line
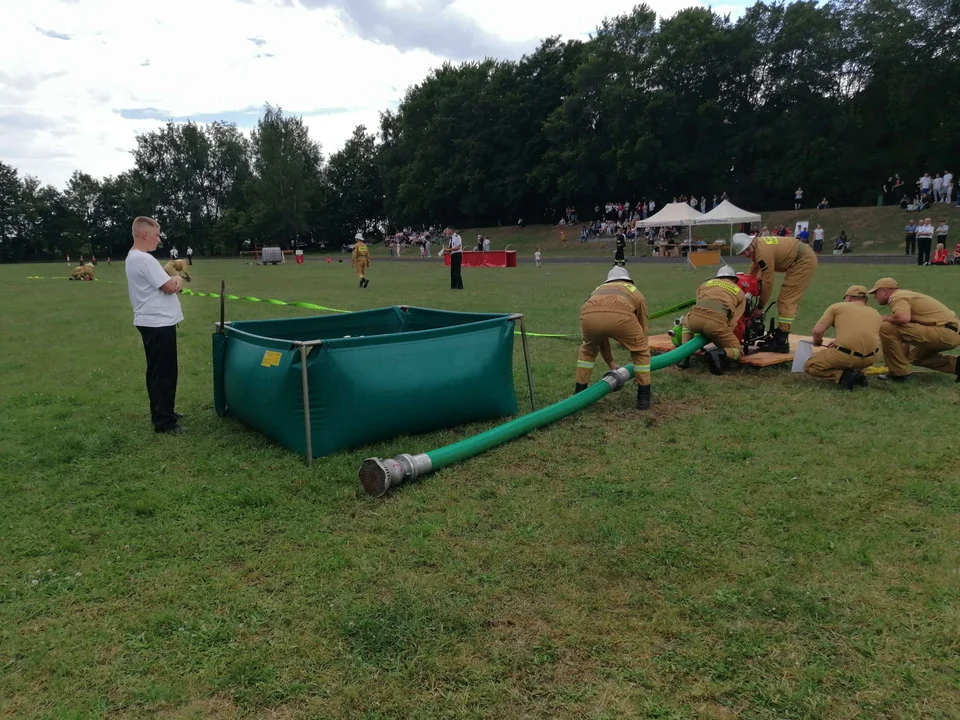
832	97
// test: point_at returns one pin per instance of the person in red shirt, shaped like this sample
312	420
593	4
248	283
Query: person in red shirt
939	255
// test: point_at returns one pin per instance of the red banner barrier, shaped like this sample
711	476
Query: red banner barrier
494	258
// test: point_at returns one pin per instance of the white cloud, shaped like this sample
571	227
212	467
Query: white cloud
68	69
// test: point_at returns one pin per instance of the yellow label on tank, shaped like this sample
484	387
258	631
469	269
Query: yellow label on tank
271	358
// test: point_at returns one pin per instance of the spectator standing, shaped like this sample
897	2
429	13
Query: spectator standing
455	244
714	202
156	313
536	256
486	244
797	198
942	230
947	186
189	255
173	253
818	239
910	238
653	206
937	188
924	238
925	183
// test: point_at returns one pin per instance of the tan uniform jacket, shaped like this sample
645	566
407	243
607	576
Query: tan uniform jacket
361	253
723	297
923	309
774	254
618	297
857	326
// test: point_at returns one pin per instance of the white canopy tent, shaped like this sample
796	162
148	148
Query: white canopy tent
671	215
726	213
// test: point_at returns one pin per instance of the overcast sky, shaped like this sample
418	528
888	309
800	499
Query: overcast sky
80	78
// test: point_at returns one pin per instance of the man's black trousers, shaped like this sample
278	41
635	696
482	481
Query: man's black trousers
456	278
160	347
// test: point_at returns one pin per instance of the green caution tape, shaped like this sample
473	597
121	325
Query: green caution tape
311	306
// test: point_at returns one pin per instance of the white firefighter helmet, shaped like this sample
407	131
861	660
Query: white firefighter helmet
358	236
618	273
726	273
740	242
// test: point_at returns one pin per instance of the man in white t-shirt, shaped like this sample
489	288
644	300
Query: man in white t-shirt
924	238
189	255
456	259
156	312
947	190
486	244
937	187
818	239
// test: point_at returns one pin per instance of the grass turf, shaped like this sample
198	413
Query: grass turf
757	546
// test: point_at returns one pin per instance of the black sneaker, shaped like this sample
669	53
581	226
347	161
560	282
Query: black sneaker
579	387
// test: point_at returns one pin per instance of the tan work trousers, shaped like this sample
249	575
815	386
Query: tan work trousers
361	265
795	282
714	326
830	363
598	328
926	344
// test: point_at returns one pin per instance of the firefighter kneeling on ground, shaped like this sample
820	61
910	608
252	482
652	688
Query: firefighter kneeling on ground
772	255
856	345
615	310
720	305
917	332
361	259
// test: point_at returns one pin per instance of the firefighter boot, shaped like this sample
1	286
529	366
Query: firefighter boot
717	360
643	397
361	282
579	387
366	283
848	379
779	342
684	364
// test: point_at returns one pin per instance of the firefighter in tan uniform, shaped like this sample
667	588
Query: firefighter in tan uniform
772	255
615	310
926	325
857	340
720	305
360	259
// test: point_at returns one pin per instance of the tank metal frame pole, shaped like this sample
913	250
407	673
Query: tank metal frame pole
306	404
526	360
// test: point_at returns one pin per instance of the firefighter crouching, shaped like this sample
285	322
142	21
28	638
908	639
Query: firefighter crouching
615	310
772	255
917	332
720	305
360	259
857	340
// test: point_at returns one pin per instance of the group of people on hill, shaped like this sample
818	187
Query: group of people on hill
929	189
919	239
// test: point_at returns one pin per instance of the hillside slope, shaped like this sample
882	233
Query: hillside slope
874	231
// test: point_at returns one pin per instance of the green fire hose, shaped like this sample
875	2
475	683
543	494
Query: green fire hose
378	475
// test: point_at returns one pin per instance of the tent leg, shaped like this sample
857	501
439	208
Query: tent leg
306	404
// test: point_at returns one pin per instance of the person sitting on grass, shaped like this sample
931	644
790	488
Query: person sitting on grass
939	255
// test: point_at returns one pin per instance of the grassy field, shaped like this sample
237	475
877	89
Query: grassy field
757	546
874	231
